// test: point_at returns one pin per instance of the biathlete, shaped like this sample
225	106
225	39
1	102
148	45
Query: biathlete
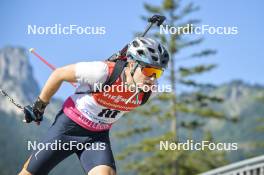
87	116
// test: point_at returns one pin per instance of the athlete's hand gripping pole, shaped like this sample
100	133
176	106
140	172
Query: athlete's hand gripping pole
35	111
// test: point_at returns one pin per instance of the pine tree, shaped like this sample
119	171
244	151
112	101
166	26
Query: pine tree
163	115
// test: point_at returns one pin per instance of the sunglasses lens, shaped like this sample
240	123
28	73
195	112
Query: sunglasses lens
147	71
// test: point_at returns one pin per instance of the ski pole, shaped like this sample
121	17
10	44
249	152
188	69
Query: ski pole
2	92
11	99
155	19
158	19
32	50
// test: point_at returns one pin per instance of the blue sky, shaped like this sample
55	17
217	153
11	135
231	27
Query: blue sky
239	56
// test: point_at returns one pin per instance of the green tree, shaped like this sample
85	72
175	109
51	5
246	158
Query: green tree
260	127
162	118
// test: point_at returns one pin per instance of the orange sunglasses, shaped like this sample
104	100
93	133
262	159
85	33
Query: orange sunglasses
149	71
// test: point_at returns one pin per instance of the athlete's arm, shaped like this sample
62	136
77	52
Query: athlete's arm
66	73
82	73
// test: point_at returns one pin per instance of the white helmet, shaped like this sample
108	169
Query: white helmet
149	51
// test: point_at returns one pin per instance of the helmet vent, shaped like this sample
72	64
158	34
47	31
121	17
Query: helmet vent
166	55
135	43
163	62
151	50
155	58
141	52
143	41
159	49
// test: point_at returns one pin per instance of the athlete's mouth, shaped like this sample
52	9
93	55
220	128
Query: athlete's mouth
148	82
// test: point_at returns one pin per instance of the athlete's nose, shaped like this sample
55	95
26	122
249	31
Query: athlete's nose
153	77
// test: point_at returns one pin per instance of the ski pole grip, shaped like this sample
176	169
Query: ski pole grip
157	19
29	115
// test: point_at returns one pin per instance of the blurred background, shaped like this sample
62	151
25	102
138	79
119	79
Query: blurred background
218	90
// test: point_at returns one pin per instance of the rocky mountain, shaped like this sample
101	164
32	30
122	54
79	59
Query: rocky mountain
16	78
15	73
245	103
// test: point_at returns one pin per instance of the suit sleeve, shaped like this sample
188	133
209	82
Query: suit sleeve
91	72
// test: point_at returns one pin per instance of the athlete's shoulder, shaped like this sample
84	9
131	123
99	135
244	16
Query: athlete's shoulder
91	72
99	65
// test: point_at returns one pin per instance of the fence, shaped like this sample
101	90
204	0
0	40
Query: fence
253	166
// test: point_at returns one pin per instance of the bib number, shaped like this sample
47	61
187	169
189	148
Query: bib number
108	113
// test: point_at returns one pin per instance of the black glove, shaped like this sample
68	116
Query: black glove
35	112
